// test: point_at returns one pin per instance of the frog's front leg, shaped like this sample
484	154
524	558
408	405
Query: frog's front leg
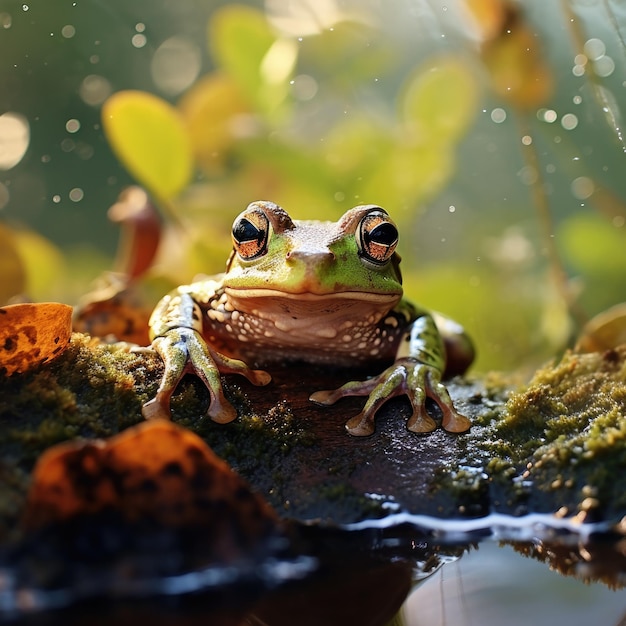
417	373
175	327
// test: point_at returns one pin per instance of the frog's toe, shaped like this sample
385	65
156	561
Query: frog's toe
360	425
452	421
221	410
421	422
325	398
157	408
260	378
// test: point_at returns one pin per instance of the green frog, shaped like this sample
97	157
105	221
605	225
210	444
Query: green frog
317	292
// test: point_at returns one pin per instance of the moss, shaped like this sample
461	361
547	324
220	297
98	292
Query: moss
566	431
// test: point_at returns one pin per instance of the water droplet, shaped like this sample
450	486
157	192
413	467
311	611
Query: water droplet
577	99
68	31
498	115
14	139
582	187
140	27
94	89
72	126
569	121
56	199
139	41
305	87
5	20
176	64
604	66
46	158
528	175
594	49
547	115
452	208
580	59
25	7
67	145
527	140
578	70
76	194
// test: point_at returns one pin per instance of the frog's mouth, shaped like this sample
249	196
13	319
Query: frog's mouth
268	294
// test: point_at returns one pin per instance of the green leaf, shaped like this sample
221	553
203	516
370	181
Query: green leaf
594	246
243	45
150	138
439	102
12	269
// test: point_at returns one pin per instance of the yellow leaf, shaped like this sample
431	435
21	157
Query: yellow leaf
43	262
216	114
150	138
31	334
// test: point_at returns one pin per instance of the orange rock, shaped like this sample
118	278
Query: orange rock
31	334
155	473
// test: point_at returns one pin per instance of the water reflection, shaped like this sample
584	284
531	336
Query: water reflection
494	586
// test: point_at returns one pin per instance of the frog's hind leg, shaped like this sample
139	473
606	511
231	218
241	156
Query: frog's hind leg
459	348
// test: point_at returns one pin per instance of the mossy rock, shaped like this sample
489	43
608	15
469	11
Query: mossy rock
557	446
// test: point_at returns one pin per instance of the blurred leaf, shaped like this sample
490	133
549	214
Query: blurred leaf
217	114
346	55
31	334
12	271
150	138
355	146
405	177
517	66
244	45
140	231
287	165
605	331
490	15
594	246
507	316
114	310
596	249
43	262
439	101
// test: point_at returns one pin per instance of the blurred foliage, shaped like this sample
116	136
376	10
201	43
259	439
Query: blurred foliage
500	163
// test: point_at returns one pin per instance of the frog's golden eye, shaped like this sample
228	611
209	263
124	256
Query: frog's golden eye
250	234
377	237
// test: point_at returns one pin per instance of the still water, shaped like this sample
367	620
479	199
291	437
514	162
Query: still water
495	586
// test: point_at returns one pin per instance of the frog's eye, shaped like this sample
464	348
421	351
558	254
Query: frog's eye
377	237
250	234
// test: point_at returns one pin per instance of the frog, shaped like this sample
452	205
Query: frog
319	292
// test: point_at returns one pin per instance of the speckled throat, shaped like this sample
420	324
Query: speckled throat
270	325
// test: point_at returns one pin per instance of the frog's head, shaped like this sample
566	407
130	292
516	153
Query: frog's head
352	260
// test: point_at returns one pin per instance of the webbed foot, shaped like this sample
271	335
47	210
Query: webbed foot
184	351
405	377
